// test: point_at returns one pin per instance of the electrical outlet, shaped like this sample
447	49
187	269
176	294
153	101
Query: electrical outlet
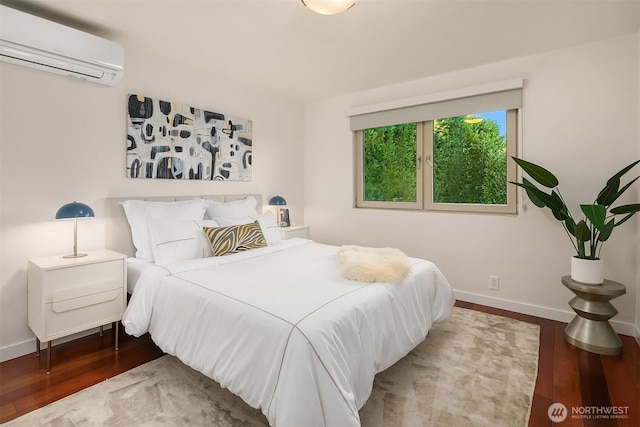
494	283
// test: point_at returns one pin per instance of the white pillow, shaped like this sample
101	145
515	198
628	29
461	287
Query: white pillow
267	222
139	212
234	209
179	240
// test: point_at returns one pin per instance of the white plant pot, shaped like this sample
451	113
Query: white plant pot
587	271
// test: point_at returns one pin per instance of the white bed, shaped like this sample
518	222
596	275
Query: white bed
279	326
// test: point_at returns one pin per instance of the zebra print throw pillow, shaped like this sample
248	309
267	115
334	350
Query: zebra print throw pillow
235	238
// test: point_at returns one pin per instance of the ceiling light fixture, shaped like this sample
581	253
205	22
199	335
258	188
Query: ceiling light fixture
328	7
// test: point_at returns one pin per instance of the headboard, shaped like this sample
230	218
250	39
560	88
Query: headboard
118	236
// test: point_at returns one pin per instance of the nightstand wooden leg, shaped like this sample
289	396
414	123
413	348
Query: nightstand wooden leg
117	326
37	347
48	357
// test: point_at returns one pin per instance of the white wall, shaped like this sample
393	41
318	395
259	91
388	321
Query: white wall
580	119
63	139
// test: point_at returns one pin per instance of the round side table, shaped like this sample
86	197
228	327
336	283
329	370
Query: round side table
590	329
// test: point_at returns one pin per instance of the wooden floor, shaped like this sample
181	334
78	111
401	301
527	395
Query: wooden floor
579	380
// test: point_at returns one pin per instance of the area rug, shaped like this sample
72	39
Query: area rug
475	369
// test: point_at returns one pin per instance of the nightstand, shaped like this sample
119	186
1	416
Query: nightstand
70	295
294	231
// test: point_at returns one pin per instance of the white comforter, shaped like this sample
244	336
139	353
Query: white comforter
280	328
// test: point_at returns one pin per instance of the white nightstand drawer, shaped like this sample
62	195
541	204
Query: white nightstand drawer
82	297
82	280
64	319
294	231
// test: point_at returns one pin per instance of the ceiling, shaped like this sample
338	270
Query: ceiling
281	47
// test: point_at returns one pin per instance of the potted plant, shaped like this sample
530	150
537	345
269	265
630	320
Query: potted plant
598	222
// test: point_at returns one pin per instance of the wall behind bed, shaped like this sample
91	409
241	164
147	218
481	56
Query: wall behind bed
64	140
580	120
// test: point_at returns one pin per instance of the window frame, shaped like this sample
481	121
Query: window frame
424	174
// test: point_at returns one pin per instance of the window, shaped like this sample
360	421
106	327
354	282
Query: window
444	162
389	166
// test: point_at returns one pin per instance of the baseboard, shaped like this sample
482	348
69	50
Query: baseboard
637	335
539	311
29	346
16	350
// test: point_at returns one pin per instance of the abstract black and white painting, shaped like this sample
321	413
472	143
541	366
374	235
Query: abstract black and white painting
173	141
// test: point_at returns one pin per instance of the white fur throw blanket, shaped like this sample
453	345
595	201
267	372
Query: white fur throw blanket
371	265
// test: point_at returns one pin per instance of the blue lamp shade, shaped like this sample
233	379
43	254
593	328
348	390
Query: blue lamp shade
277	201
74	210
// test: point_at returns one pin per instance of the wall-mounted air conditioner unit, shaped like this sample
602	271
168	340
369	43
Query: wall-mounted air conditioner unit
37	43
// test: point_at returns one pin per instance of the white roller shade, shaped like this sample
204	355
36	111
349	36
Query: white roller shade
439	109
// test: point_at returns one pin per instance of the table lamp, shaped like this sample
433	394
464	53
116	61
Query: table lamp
283	213
75	211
